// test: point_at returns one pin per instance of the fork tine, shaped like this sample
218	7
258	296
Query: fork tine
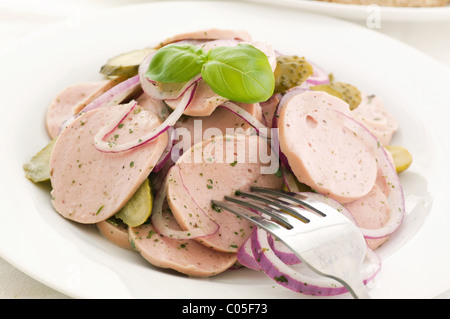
250	204
258	220
282	205
319	243
303	200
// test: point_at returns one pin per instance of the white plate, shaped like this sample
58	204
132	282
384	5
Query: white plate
365	12
77	261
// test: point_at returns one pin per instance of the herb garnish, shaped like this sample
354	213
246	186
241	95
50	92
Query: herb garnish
240	73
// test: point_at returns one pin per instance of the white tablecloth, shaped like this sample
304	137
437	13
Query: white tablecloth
19	18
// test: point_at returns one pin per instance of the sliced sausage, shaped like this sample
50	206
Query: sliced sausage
220	122
185	256
203	103
154	105
205	172
269	109
321	151
117	233
374	116
73	99
90	186
210	34
371	211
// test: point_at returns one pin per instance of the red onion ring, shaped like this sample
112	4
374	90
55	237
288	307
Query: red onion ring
318	77
302	279
283	252
170	121
245	255
247	259
285	98
260	128
158	178
165	156
114	96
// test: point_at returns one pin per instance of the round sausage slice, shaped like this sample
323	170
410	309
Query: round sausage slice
185	256
90	186
117	233
211	170
73	99
321	151
371	211
373	115
220	122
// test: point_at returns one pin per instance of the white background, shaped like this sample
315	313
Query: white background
19	18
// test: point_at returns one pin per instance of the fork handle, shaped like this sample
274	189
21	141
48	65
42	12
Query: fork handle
357	288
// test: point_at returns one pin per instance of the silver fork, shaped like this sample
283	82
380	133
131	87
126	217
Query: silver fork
324	239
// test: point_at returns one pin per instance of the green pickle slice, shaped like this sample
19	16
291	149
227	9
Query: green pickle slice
37	169
139	208
347	92
125	64
291	71
327	88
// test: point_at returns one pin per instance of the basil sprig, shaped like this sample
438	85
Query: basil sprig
241	73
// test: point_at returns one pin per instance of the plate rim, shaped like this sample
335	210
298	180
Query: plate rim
360	12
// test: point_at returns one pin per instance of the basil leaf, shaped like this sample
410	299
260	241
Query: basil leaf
241	73
176	63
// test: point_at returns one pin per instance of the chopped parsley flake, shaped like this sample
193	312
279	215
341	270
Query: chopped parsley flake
98	211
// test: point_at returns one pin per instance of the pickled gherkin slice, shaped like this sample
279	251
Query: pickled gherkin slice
327	88
347	92
402	157
291	71
37	169
125	64
350	93
139	208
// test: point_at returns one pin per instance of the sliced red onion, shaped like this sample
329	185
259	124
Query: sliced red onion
158	178
289	94
396	198
161	226
260	128
318	77
104	146
247	259
166	155
211	227
282	251
301	279
127	110
114	96
245	255
331	202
